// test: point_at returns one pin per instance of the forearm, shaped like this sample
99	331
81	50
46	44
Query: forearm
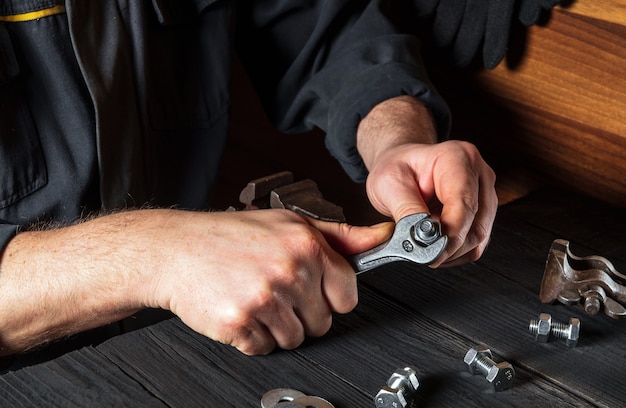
58	282
394	122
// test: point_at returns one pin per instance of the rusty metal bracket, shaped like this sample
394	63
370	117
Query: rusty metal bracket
280	191
590	282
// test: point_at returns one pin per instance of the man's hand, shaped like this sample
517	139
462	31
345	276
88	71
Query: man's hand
252	279
410	173
261	279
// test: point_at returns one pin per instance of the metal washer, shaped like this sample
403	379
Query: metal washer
271	398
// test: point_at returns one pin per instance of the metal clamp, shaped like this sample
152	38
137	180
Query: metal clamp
416	238
280	191
591	282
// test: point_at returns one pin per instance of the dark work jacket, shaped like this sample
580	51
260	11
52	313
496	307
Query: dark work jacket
108	104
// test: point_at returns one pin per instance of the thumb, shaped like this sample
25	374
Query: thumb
396	197
348	239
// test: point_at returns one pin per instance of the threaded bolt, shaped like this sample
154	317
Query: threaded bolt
399	390
592	305
500	375
544	327
427	231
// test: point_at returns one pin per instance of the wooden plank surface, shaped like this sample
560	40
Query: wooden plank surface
613	11
556	105
407	315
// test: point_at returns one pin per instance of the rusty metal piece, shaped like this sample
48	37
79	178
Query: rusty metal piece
590	282
280	191
257	193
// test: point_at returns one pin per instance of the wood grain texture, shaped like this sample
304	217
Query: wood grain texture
407	315
557	105
613	11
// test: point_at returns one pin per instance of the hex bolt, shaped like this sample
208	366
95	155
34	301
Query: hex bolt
593	304
594	299
541	328
399	390
500	375
427	231
544	327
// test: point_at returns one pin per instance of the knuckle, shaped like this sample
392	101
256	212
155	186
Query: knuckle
292	342
474	255
481	233
308	241
236	321
348	302
322	327
470	202
251	348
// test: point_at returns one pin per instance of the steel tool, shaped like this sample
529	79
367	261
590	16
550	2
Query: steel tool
591	282
416	238
280	191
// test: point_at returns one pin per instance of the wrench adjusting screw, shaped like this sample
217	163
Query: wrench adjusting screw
407	246
500	375
544	327
399	390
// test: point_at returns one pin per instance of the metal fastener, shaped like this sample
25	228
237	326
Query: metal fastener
290	398
500	375
399	391
544	327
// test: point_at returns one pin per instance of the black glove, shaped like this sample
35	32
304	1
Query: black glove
530	10
465	25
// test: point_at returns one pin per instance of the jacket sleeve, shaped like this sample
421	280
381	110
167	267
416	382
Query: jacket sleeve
327	63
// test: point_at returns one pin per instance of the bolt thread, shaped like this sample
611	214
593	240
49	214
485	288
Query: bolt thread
592	305
560	330
400	385
484	363
534	326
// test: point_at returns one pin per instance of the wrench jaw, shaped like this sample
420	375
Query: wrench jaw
408	243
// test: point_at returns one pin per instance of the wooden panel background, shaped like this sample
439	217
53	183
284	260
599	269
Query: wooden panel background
557	104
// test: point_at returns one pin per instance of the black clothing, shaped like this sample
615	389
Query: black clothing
472	28
120	103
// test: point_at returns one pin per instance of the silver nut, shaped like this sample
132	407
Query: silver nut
471	356
572	334
543	328
404	378
389	397
501	376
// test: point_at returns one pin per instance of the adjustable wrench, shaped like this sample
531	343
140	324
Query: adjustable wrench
416	238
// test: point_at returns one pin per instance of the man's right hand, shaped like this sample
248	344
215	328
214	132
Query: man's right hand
261	279
253	279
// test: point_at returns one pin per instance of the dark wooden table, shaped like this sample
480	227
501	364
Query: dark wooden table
412	316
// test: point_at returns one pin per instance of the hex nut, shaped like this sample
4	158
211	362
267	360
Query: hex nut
501	376
543	328
573	333
405	378
471	357
389	397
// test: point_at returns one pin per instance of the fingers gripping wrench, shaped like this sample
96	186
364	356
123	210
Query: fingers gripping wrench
416	238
